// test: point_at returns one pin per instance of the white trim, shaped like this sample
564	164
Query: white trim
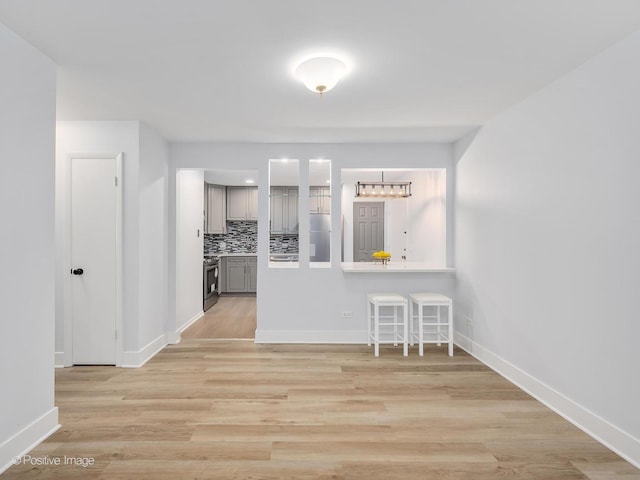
59	360
28	438
136	359
66	284
611	436
192	320
67	353
119	262
173	338
311	336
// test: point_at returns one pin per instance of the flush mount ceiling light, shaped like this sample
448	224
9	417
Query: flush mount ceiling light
320	74
383	189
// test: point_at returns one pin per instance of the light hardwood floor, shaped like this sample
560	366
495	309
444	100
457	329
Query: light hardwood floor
235	410
233	316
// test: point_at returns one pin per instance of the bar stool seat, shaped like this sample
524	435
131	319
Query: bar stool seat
390	324
431	328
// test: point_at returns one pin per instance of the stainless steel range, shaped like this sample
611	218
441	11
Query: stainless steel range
211	276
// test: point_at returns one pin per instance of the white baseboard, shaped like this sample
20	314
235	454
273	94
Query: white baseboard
619	441
59	360
311	336
189	322
136	359
28	438
173	337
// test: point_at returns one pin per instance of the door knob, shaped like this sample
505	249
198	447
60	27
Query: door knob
77	271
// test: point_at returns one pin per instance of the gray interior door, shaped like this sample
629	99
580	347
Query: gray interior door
368	230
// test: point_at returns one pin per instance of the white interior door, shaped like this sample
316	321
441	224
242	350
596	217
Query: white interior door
93	251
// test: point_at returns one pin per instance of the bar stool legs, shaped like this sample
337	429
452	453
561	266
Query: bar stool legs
434	323
412	324
377	301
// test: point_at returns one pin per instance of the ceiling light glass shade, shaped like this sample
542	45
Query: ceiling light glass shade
383	189
321	74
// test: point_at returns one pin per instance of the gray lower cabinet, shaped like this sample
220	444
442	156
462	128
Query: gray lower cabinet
236	274
240	274
252	270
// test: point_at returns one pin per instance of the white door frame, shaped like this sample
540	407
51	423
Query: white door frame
67	307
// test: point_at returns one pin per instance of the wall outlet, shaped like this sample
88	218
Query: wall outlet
347	314
468	321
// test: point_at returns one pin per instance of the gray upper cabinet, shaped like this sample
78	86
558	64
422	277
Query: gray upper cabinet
215	212
319	200
242	203
284	210
253	203
237	203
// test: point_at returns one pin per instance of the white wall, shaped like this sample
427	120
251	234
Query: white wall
145	230
190	247
547	252
153	236
305	304
27	126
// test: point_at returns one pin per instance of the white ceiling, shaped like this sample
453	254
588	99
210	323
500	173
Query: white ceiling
213	70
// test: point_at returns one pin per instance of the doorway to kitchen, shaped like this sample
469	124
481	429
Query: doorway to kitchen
228	255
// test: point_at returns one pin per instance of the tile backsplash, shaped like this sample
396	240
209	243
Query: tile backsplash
283	244
241	237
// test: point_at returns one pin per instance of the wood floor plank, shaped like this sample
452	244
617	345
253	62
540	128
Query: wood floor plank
559	447
382	470
603	470
368	451
289	432
212	409
231	470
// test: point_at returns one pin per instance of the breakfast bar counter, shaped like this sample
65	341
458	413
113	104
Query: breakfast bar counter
393	267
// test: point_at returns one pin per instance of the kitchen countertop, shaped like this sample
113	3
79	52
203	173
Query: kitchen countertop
393	267
231	255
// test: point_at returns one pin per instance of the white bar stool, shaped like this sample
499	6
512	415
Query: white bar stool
377	301
434	323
